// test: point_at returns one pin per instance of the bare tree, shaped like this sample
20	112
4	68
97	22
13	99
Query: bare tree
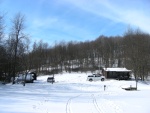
136	52
1	28
17	35
39	56
2	48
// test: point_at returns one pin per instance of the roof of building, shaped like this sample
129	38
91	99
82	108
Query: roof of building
117	69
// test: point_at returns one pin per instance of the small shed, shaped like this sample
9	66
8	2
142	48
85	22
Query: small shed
116	73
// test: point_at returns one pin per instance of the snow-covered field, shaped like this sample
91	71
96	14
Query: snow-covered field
73	94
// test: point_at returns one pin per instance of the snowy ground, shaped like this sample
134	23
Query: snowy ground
73	94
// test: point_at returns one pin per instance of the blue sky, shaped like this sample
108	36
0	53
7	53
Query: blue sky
78	20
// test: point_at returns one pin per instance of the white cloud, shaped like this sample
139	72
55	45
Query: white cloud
64	29
44	22
57	28
125	13
137	19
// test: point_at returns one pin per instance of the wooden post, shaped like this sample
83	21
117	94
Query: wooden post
104	87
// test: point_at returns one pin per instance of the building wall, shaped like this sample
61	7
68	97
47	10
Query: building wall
116	75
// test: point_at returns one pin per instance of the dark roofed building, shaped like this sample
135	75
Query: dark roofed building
116	73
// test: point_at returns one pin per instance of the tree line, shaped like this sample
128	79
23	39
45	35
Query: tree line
17	54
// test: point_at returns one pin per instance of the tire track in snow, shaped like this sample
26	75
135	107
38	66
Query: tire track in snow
68	105
68	109
93	103
96	105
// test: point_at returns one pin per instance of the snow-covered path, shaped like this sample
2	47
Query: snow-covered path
73	94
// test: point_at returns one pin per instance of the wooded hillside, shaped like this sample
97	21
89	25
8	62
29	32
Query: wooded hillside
132	50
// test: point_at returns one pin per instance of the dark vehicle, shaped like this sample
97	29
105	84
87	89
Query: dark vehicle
51	79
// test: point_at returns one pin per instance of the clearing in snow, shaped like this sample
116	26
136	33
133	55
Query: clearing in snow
71	93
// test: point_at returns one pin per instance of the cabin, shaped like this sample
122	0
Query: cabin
116	73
